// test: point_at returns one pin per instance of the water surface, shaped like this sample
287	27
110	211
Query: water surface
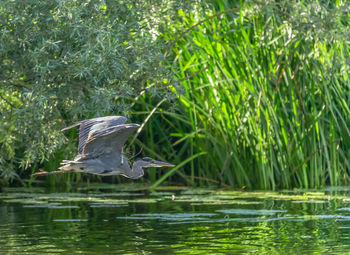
185	221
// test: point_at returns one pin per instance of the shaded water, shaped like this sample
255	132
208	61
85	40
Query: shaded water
127	221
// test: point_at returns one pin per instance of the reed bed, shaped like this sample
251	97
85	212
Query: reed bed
265	102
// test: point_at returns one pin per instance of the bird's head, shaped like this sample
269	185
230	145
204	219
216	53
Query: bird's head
150	162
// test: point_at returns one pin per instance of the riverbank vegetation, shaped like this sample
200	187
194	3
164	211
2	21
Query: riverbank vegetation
245	94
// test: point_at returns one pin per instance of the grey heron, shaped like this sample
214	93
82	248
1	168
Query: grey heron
101	141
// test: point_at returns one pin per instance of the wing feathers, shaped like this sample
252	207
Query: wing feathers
109	140
91	126
71	126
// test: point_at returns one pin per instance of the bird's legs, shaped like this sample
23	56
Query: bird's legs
54	172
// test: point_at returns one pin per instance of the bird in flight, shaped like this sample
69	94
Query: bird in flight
101	141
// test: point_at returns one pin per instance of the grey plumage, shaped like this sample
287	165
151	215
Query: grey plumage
90	126
101	141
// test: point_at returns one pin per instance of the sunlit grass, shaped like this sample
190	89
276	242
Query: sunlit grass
267	103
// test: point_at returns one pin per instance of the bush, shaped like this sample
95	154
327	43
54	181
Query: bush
63	61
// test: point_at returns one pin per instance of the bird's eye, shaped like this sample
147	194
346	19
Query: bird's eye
147	159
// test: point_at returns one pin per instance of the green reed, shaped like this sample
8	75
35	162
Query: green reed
265	99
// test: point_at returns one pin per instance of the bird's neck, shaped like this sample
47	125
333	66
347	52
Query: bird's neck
137	170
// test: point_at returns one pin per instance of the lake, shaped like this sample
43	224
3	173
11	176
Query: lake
122	219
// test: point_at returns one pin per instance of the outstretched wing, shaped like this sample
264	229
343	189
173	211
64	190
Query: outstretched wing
91	126
109	141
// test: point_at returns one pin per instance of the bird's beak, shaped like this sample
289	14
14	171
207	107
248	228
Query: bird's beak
160	164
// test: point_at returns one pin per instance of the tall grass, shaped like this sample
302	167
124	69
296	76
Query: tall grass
265	95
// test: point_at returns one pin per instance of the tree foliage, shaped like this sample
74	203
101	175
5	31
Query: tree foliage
67	60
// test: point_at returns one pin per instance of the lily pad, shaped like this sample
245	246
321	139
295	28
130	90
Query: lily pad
169	216
310	201
42	205
251	211
70	220
106	205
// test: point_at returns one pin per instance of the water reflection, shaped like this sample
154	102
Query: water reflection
187	221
